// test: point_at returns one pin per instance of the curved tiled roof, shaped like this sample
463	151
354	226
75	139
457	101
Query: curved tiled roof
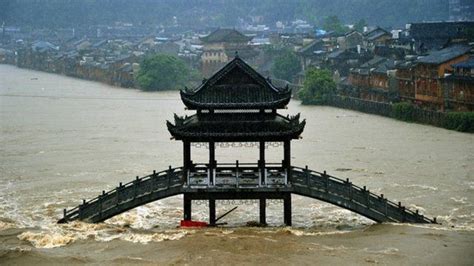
444	55
236	86
236	127
225	35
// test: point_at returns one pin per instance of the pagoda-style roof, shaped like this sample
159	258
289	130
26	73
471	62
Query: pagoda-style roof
225	35
205	127
236	86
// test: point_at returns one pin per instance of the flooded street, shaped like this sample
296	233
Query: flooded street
63	140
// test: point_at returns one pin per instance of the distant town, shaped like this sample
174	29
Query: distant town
430	65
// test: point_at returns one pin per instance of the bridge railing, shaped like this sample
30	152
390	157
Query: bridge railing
335	189
303	176
124	192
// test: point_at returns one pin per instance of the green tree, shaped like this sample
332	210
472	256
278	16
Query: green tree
403	111
332	23
286	66
359	26
318	87
162	72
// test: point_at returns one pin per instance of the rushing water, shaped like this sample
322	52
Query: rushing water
64	139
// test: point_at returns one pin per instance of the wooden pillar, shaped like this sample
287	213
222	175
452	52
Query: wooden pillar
212	161
287	209
212	212
263	211
261	162
187	207
186	160
287	153
287	158
186	153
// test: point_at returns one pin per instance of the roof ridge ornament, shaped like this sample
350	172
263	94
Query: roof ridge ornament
237	54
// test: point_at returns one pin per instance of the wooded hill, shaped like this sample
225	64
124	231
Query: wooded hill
199	13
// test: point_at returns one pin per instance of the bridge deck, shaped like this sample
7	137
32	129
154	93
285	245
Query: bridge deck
243	183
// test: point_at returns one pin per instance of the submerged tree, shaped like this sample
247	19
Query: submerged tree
318	87
286	66
162	72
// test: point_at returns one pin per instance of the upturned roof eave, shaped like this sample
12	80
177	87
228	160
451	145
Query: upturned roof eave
293	133
276	104
189	128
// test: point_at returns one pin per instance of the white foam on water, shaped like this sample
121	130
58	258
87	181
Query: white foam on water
148	217
61	235
471	185
10	211
446	226
156	237
326	216
416	207
46	240
385	251
20	249
418	186
462	200
300	232
329	248
7	225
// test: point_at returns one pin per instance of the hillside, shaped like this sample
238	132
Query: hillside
198	13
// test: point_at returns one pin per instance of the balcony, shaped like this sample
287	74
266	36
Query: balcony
237	176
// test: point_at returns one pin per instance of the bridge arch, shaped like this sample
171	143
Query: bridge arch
304	182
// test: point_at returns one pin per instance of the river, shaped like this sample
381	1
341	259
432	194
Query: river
64	140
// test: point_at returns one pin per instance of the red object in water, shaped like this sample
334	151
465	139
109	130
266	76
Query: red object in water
186	223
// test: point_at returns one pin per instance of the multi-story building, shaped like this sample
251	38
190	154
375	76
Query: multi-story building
428	36
350	40
220	46
459	87
430	71
405	79
376	37
372	80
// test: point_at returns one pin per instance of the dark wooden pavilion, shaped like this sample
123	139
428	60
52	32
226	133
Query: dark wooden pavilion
239	106
236	104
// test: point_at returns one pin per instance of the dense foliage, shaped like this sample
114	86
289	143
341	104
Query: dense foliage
403	111
359	26
460	121
332	23
286	66
318	87
162	72
198	13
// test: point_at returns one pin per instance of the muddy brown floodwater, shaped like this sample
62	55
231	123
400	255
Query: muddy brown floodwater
64	139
